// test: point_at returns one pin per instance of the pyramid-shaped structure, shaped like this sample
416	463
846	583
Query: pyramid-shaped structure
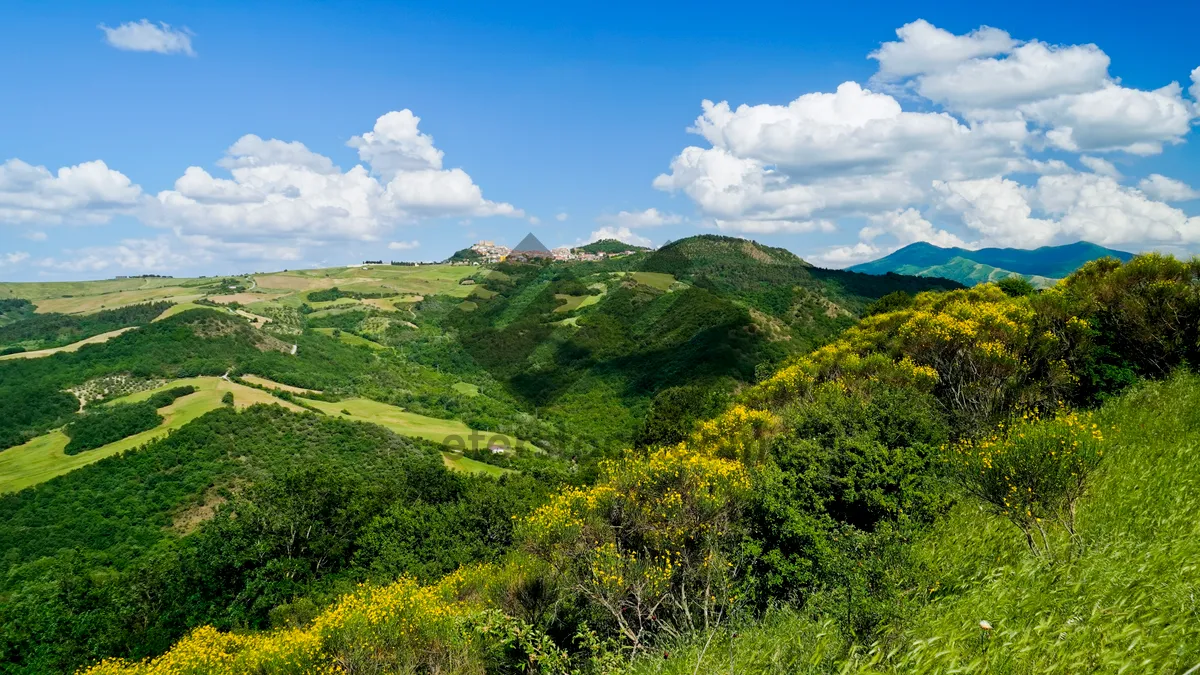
531	244
530	248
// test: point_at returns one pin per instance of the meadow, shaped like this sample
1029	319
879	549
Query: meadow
43	458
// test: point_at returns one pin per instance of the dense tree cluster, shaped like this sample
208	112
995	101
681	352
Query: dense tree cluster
39	331
101	426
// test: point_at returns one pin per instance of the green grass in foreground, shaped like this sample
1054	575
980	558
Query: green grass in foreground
42	458
1127	601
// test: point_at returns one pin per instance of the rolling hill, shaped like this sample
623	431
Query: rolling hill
1041	266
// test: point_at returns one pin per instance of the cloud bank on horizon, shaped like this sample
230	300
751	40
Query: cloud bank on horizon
281	199
1004	143
959	140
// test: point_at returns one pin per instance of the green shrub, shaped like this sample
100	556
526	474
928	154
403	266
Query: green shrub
892	302
227	399
1016	286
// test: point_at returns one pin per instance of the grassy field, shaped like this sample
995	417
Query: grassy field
395	418
1124	599
446	432
659	280
466	388
412	280
42	458
176	309
74	346
350	338
86	304
569	302
457	462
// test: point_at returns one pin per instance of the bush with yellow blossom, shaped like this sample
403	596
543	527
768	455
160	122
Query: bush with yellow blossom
402	627
1031	471
649	546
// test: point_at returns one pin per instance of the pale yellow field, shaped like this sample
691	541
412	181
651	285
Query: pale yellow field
287	281
42	458
258	321
74	346
243	298
384	304
42	290
94	303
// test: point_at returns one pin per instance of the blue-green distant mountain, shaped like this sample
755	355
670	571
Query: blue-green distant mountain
1041	266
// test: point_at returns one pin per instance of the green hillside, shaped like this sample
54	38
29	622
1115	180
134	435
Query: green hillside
1041	266
1120	599
969	273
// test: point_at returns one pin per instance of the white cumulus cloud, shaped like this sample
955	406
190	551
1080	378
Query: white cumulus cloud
267	200
1158	186
283	189
403	245
1100	165
13	258
925	48
139	255
84	193
144	36
620	234
651	217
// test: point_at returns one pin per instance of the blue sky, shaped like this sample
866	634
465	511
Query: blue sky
572	121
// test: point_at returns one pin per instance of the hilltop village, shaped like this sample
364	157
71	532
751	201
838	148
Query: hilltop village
486	252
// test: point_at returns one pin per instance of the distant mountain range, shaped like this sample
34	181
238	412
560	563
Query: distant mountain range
1041	266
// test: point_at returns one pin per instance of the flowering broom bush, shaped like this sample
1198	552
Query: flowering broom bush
649	545
1031	471
399	628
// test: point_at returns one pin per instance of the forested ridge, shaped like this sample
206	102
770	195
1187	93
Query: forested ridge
40	331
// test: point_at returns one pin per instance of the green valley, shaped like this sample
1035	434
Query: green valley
712	451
